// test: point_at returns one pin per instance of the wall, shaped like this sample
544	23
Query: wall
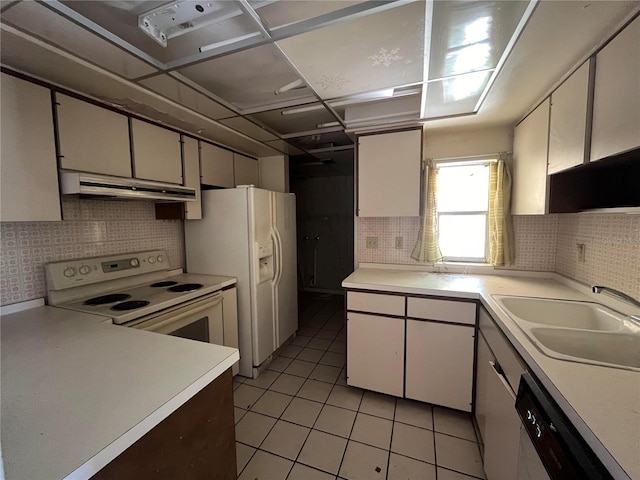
543	243
325	209
535	241
91	228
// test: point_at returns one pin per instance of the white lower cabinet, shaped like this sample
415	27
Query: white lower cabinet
375	353
440	364
502	428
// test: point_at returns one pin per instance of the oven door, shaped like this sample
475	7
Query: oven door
200	319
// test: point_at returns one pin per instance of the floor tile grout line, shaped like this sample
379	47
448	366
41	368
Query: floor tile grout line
393	427
435	453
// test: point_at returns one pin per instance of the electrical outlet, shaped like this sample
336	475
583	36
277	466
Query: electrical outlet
372	243
581	252
399	243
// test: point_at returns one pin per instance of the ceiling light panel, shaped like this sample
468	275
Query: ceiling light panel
225	23
243	125
249	79
297	121
471	36
370	53
455	95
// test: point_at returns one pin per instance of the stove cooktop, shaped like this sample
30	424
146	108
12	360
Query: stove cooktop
137	301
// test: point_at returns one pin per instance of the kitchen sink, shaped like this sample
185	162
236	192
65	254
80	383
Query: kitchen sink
616	349
577	331
562	313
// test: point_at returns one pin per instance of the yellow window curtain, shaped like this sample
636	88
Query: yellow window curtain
501	246
427	249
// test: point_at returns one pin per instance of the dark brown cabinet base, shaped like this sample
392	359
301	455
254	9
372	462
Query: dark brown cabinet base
196	441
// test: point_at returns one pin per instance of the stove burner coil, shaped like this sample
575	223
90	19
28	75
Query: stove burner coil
130	305
166	283
104	299
186	287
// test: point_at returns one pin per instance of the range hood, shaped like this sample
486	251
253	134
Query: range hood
91	184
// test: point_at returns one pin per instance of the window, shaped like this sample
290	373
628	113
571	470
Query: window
462	201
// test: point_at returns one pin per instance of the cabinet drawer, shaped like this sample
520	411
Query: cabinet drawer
376	303
443	310
504	353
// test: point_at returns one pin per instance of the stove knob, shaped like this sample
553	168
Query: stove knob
69	272
134	262
160	258
84	270
152	259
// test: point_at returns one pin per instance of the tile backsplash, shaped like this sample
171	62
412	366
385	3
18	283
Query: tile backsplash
91	228
542	243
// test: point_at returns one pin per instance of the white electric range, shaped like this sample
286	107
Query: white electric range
139	290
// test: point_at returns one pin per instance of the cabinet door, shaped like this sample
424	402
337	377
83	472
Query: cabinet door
483	370
230	322
191	155
375	358
216	165
568	125
91	138
531	137
389	167
156	152
247	171
502	429
29	180
440	364
616	100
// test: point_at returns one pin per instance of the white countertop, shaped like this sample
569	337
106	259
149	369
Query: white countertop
76	392
603	403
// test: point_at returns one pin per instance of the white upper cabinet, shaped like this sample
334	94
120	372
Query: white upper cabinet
530	145
29	180
247	170
389	167
156	152
190	153
569	124
91	138
616	100
216	166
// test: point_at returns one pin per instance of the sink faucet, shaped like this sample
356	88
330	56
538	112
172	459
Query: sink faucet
617	293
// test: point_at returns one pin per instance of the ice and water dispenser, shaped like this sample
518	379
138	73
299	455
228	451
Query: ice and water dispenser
265	261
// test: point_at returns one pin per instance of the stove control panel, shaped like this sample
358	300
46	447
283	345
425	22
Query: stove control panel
73	273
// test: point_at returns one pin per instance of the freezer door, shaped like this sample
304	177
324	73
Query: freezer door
263	319
286	282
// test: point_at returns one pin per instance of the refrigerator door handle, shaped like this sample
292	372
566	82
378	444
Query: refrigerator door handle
277	257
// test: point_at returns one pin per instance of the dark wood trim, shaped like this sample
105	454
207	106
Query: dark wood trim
377	314
195	441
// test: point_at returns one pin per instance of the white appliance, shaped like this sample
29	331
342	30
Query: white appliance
138	290
250	233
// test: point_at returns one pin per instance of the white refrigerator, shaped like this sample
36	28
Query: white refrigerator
250	233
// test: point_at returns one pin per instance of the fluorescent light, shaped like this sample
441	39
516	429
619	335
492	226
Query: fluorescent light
307	108
328	124
296	84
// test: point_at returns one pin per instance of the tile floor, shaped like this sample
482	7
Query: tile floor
300	421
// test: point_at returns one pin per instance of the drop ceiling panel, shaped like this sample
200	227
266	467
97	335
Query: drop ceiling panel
277	14
471	36
370	53
248	128
42	22
295	122
284	147
185	95
249	79
121	18
322	140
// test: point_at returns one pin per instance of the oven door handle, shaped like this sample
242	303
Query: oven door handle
159	322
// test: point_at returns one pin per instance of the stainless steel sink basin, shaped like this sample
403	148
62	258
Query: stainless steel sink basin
562	313
584	332
616	349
